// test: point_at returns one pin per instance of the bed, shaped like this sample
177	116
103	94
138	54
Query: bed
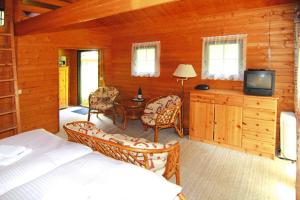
58	169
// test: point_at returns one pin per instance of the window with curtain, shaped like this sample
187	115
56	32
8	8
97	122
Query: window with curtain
224	57
1	12
145	59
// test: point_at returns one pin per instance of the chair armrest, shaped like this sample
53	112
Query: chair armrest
167	115
173	161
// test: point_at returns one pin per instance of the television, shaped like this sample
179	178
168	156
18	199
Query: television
259	82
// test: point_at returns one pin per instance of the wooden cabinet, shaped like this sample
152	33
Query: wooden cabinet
201	120
63	87
228	125
235	120
259	125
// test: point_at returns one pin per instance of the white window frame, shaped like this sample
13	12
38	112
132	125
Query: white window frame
155	71
241	40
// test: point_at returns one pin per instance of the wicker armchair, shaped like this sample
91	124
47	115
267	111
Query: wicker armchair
102	101
163	112
159	158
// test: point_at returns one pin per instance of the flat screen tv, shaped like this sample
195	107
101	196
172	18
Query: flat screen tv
259	82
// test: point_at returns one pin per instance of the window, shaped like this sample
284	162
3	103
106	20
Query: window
1	18
1	12
145	59
224	57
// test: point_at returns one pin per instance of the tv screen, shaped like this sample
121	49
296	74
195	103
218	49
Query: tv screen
261	80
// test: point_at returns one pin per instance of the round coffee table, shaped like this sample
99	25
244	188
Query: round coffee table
131	110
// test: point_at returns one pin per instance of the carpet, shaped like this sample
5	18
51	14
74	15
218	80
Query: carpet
210	172
82	111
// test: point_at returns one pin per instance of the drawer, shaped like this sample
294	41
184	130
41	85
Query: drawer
263	103
259	153
229	100
205	98
270	138
258	125
249	144
267	115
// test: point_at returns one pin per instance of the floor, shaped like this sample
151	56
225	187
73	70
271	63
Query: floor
210	172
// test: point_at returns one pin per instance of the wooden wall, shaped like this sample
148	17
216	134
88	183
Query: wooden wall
72	63
37	66
181	42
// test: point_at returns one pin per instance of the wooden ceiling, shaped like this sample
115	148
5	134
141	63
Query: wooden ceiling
32	8
148	13
186	9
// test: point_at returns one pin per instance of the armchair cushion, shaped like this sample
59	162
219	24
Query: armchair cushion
149	118
156	161
103	98
99	105
164	102
159	108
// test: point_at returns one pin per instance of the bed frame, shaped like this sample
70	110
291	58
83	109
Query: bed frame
128	154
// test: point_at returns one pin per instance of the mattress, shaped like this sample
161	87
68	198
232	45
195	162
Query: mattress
48	152
95	176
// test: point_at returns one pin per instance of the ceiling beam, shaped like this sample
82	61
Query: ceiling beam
81	11
34	9
54	2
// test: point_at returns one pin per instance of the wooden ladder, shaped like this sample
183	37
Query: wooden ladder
9	100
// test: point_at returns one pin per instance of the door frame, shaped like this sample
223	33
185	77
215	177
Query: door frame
100	70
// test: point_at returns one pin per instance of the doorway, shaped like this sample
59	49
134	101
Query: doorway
88	74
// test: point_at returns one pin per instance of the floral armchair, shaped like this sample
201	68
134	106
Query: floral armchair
163	112
102	101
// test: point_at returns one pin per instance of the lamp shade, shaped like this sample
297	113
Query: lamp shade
185	71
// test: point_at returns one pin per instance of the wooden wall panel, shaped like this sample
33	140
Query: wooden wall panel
37	66
72	63
181	42
73	81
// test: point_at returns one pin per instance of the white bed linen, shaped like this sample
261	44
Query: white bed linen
11	150
96	177
48	152
5	161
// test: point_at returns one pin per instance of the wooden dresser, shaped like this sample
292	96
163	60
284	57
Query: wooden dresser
235	120
63	87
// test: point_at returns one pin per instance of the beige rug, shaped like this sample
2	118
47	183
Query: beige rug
209	172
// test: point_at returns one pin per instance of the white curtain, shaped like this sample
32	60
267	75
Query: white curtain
145	60
224	57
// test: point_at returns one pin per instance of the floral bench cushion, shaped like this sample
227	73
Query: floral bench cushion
157	162
160	104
